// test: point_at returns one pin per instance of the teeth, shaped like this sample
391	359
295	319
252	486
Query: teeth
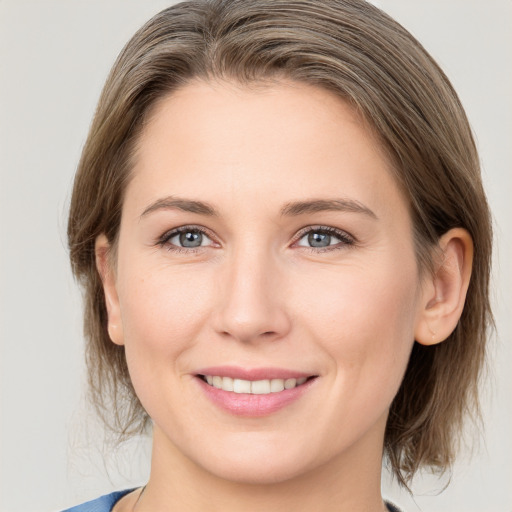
260	387
241	386
276	385
290	383
227	383
254	387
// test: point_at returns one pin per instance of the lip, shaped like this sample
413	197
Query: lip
250	405
237	372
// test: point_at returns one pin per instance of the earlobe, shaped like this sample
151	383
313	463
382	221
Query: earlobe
115	328
444	293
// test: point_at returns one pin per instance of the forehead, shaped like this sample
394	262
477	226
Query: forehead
225	140
261	115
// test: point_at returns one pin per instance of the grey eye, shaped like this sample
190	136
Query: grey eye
189	239
319	239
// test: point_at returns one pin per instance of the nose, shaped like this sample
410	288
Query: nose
251	305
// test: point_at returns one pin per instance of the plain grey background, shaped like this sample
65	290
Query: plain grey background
54	57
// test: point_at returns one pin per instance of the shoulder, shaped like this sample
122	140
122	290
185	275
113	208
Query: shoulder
102	504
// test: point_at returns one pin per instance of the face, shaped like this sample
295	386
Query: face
266	287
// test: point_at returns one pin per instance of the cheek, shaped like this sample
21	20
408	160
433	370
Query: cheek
163	310
364	320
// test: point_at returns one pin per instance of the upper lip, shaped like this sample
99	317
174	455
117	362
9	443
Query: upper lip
236	372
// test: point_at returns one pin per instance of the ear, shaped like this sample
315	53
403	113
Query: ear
108	278
444	293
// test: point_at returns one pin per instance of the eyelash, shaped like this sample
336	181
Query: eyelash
345	238
163	241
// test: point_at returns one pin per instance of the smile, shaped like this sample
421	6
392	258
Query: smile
253	387
253	392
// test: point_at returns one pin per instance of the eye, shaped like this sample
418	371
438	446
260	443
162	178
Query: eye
324	238
185	237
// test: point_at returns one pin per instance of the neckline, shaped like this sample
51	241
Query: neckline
119	495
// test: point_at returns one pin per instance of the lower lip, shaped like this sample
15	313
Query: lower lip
249	405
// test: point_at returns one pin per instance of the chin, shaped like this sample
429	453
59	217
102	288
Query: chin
256	463
262	473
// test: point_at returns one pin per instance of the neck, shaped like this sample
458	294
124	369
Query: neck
350	482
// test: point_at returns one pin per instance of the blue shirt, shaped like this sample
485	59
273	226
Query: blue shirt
106	503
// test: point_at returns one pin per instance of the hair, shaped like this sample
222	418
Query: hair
359	53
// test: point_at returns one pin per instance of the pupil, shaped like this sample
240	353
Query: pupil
319	239
191	239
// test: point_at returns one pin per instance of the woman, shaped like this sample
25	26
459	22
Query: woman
279	224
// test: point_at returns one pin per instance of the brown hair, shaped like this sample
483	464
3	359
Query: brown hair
358	52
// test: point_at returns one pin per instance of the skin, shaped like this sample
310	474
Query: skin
255	294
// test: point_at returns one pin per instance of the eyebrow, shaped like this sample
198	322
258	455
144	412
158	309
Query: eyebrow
186	205
325	205
291	209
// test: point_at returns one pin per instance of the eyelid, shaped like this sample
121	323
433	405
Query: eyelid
343	235
163	240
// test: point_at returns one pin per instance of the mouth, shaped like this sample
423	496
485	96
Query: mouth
253	387
253	393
